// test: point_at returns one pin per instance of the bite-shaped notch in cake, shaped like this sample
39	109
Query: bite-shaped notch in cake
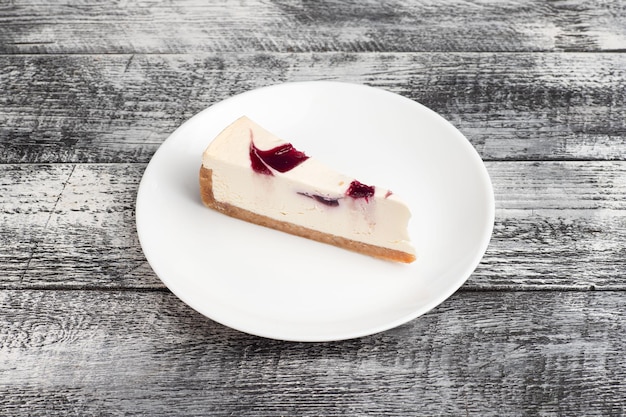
250	174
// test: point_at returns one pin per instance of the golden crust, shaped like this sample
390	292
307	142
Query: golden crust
206	192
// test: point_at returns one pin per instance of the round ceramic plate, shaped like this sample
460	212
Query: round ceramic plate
275	285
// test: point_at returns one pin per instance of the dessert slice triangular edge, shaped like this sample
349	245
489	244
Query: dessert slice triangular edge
250	174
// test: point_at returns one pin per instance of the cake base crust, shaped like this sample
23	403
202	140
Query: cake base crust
206	193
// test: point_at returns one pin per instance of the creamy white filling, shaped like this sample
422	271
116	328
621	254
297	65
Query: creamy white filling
380	220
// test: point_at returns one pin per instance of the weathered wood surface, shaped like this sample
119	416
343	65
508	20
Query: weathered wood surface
145	353
194	26
88	92
120	108
559	225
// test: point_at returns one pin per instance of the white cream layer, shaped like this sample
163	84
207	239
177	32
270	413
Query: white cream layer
381	220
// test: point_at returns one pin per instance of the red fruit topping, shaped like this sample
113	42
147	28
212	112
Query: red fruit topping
282	158
359	190
256	163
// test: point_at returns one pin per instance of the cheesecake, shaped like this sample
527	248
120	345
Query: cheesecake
250	174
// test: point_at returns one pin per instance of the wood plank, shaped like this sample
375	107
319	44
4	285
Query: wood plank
479	353
120	108
559	225
195	26
28	196
71	225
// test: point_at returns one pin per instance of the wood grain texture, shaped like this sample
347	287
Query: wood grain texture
559	225
194	26
71	225
120	108
121	353
88	92
555	224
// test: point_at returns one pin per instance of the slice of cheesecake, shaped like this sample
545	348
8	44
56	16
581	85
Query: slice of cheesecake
250	174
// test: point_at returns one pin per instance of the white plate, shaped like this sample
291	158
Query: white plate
275	285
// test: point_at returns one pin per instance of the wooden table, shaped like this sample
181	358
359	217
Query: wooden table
88	92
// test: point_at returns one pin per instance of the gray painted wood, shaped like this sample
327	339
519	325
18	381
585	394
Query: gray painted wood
559	225
88	92
120	108
478	354
193	26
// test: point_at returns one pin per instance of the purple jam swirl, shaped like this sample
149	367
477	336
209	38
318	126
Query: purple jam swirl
359	190
257	164
327	201
282	158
